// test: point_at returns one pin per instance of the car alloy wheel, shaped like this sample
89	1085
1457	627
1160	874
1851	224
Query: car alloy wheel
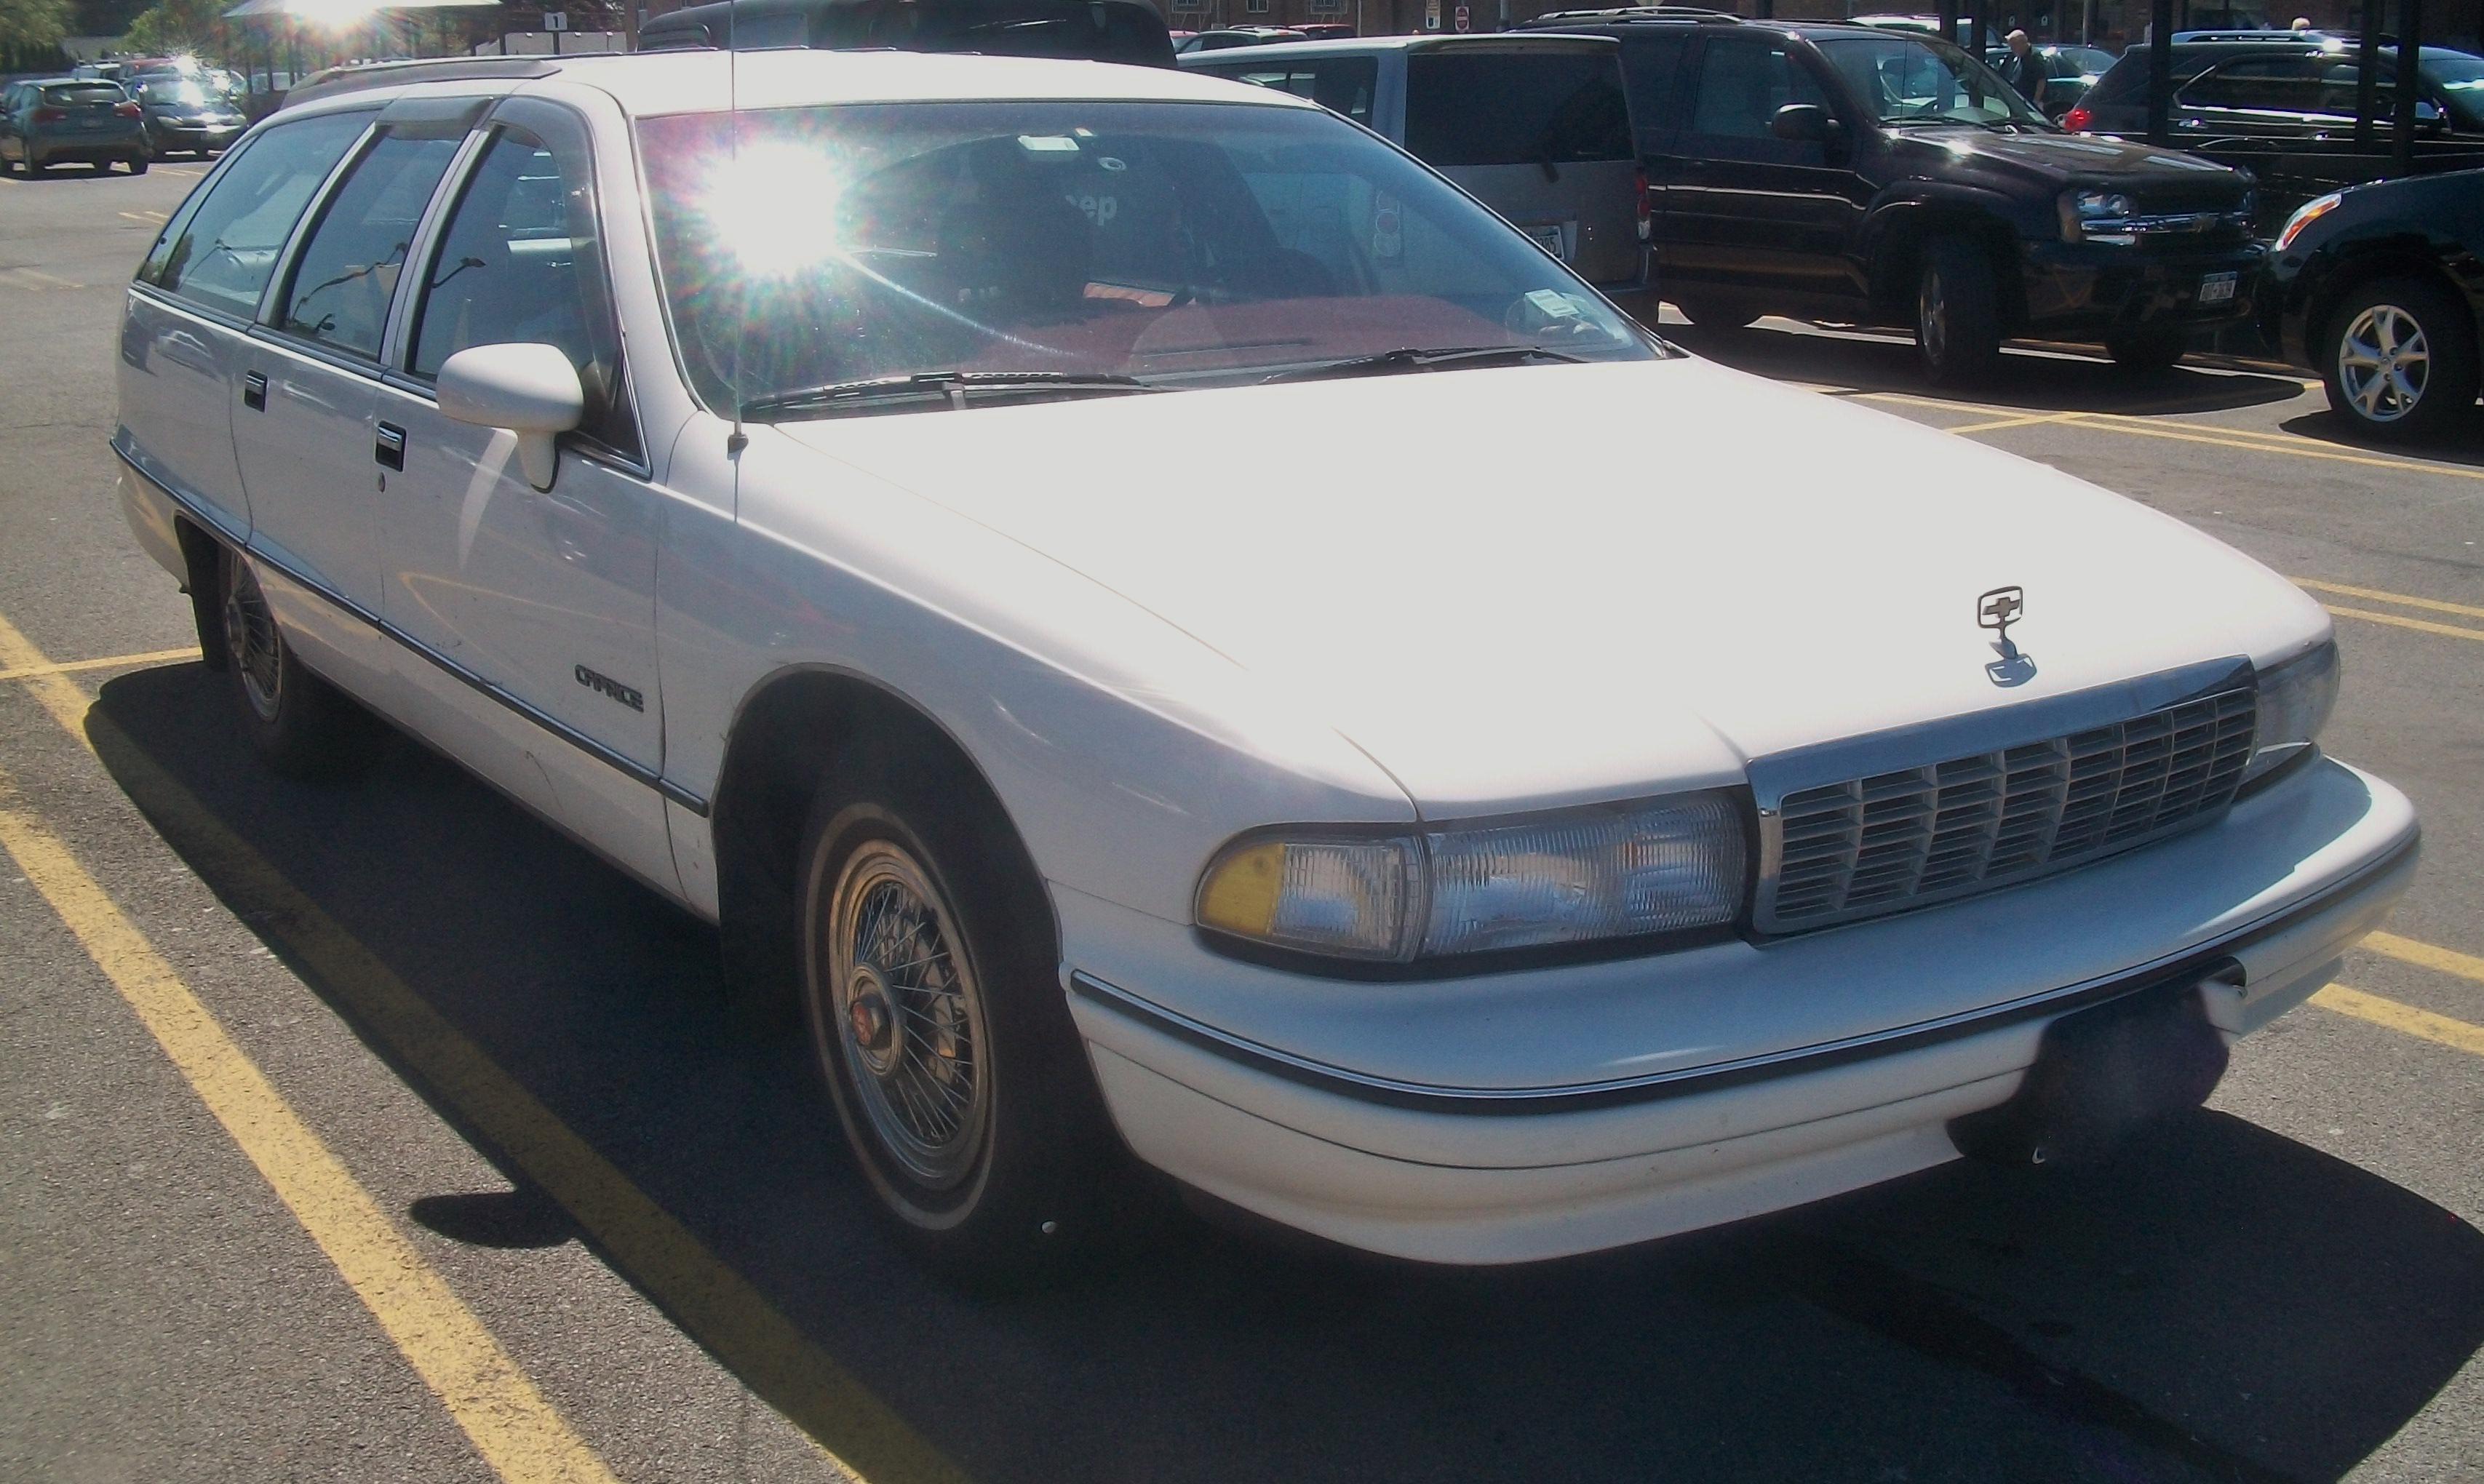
2384	363
909	1018
251	638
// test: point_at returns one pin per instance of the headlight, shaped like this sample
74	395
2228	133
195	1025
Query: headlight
2295	699
1575	877
2304	215
2092	216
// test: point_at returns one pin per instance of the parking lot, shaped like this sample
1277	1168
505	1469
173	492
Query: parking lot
370	1130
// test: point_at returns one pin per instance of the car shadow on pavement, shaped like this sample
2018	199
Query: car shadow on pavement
2222	1305
2460	444
2037	383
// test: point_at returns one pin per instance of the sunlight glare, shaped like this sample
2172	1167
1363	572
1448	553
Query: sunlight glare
775	206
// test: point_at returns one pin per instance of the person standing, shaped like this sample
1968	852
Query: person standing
2024	70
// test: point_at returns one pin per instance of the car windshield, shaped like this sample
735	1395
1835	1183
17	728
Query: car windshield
1912	79
174	92
848	257
2088	59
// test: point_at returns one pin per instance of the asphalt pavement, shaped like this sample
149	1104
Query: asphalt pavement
370	1131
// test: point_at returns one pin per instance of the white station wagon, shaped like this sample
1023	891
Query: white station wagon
819	492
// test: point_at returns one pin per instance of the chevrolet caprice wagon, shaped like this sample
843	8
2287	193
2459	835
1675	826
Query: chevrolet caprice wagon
1436	831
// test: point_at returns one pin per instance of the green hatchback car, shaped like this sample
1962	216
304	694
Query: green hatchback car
71	119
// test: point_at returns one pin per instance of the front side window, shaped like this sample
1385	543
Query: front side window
1471	106
521	262
1741	86
1919	80
850	258
222	252
340	289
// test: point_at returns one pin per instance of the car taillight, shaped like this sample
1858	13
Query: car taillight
1646	207
126	110
50	115
2078	121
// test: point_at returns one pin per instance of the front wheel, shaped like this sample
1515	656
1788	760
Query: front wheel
1957	313
929	986
2399	360
297	723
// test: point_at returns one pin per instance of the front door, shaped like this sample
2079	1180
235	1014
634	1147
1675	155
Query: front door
1749	216
545	598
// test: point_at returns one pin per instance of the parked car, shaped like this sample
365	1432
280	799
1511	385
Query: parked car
2376	289
2276	86
71	120
1536	126
184	115
1868	176
2069	72
1436	849
1226	38
1095	30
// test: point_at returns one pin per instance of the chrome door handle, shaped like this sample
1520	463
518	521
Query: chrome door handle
389	450
254	391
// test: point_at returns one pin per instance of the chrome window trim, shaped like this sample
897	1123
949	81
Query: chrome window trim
282	279
1919	745
445	195
198	510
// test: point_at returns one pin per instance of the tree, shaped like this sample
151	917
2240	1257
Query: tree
31	25
173	26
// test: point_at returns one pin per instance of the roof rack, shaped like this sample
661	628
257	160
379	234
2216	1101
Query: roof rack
1699	14
333	81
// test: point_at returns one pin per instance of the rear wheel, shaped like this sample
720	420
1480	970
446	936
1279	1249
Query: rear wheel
2148	350
137	165
1957	313
2398	359
298	724
930	987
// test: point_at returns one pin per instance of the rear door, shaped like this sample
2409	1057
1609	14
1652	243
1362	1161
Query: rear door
1749	213
1539	129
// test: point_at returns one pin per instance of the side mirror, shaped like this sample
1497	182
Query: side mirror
531	390
1805	122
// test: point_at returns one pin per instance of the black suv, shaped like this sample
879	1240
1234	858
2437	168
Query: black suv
1856	176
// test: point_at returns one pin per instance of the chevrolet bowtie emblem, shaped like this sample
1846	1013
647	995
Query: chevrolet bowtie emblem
2001	608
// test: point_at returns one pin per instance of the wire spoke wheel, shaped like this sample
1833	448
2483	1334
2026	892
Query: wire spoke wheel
2384	363
909	1016
251	640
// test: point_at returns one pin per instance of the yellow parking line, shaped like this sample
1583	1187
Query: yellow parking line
2028	419
2110	422
2402	1017
2402	600
2430	955
2421	625
39	280
716	1305
149	217
511	1424
105	663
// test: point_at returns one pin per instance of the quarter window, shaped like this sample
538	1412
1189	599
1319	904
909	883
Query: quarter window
521	262
222	252
340	289
1343	85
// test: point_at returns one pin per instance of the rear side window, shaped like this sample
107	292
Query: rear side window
1344	85
340	288
2282	84
1514	108
222	252
1648	66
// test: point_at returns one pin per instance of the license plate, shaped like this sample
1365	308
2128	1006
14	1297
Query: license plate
2217	289
1549	237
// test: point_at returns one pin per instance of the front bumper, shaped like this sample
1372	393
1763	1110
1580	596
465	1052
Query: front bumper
192	136
2083	290
1712	1084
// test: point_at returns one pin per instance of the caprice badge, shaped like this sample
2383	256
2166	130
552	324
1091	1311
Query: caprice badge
1997	611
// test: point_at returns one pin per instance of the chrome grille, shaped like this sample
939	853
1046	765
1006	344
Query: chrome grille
1902	836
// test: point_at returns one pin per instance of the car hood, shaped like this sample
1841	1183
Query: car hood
1527	586
2056	160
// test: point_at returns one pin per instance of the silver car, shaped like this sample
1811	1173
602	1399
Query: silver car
1536	127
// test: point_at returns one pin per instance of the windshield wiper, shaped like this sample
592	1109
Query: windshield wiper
953	389
1410	358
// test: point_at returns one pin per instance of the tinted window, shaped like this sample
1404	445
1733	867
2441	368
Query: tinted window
521	262
1175	244
85	96
1505	108
1114	32
2290	84
340	288
1648	66
1907	79
225	252
1341	86
1741	86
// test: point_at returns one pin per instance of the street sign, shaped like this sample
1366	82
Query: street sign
555	20
1462	17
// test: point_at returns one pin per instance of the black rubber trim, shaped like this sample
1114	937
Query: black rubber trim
637	771
2208	962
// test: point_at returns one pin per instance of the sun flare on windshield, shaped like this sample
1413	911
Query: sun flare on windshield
774	206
